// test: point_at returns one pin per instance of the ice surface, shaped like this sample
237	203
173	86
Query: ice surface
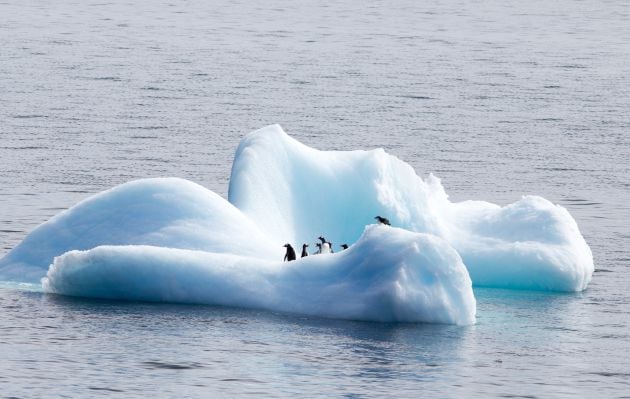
166	212
296	192
530	244
423	279
172	240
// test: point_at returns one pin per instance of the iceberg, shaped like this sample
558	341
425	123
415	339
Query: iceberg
169	239
423	280
163	212
297	192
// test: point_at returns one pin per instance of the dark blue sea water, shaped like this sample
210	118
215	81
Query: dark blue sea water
499	99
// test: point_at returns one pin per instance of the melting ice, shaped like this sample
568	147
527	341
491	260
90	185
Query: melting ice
172	240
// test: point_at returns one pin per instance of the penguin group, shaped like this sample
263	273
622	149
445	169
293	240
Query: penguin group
323	247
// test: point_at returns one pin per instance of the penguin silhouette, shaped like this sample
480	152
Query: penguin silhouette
290	255
382	220
304	253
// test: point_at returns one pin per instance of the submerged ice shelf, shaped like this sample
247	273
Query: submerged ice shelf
172	240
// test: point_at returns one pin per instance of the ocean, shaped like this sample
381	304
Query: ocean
497	99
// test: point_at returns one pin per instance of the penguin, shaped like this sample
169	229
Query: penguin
382	220
344	246
290	255
324	242
319	249
304	253
326	248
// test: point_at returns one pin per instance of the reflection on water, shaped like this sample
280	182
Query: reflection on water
231	345
543	338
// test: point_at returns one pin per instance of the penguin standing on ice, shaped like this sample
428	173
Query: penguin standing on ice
382	220
319	249
304	253
344	246
326	246
290	255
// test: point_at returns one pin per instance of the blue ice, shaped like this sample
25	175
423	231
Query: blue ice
172	240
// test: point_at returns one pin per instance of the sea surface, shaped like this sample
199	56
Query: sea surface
497	98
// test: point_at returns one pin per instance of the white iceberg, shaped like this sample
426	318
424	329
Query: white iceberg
423	280
173	240
165	212
296	192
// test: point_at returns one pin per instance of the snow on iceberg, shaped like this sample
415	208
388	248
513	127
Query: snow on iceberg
530	244
167	212
172	240
423	279
296	192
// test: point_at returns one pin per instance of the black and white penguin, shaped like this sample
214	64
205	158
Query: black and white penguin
324	244
382	220
344	246
319	248
304	253
326	248
290	255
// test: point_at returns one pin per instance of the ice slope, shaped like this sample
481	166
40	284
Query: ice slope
296	192
388	275
167	212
